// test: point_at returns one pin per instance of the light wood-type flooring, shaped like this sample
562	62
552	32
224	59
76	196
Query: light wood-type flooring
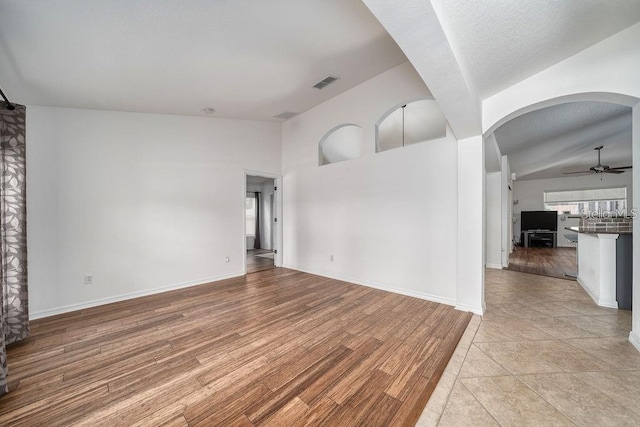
551	262
257	263
277	347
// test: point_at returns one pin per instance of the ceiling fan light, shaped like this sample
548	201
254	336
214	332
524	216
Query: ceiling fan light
600	168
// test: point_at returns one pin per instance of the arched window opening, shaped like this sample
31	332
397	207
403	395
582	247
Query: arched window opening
343	142
411	123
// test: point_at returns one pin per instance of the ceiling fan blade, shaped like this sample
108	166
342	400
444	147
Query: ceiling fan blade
573	173
599	168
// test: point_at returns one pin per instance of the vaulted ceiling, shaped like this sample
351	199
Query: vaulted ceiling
247	60
256	59
549	142
502	42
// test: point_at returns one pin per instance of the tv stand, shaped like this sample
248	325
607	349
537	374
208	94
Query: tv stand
540	235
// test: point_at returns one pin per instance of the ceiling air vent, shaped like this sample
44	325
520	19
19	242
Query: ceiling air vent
286	115
325	82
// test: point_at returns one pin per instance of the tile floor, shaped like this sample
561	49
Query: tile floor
543	354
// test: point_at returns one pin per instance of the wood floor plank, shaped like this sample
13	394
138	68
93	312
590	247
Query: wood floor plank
321	413
288	414
256	263
275	347
551	262
217	410
263	410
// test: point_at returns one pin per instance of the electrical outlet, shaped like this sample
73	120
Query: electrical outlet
88	279
331	257
227	259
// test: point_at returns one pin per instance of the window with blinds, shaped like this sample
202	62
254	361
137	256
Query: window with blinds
578	202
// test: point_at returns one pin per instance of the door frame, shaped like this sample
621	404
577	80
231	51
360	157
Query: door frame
277	209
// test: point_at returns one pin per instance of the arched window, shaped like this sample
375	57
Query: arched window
410	123
343	142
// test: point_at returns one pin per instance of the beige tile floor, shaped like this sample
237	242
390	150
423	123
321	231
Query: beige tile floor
543	354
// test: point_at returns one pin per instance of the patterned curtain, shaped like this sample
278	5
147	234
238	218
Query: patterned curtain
14	312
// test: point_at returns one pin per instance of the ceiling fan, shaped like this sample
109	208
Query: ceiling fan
600	168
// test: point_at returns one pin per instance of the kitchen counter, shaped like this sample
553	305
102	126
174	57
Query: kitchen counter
599	230
605	266
605	231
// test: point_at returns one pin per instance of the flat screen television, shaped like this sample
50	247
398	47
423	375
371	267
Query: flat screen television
539	220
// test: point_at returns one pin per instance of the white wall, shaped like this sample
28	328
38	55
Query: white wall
606	71
506	215
529	195
471	209
143	202
493	239
634	337
389	219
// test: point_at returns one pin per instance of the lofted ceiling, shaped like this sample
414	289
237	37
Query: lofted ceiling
256	59
498	43
553	140
501	42
247	60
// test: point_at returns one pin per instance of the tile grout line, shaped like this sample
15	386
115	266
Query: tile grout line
541	397
480	403
496	362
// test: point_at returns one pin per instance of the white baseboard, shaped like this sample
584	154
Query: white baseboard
608	304
587	290
599	302
381	286
470	308
634	339
494	266
123	297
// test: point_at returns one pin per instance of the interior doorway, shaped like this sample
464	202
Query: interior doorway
544	174
260	223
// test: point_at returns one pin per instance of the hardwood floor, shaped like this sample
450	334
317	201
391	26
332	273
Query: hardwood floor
278	347
551	262
257	263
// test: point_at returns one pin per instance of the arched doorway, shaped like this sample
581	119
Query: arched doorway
495	120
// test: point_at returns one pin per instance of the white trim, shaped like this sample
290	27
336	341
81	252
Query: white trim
382	287
598	301
277	199
127	296
470	308
635	340
608	304
494	266
587	290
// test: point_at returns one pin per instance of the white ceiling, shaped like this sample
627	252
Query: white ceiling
247	60
501	42
255	59
548	142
